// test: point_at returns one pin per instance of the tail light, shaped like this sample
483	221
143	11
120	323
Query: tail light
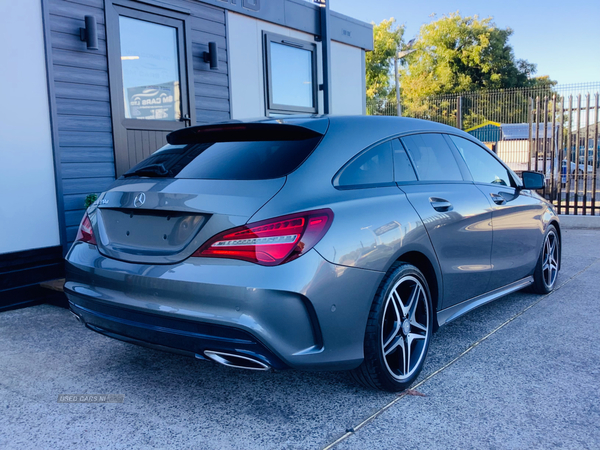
86	232
270	242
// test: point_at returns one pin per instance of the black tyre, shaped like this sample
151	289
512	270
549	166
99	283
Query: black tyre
398	331
547	267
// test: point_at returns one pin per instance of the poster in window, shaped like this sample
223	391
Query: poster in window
154	102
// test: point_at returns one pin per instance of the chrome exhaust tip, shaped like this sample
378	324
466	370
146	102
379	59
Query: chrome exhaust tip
237	361
77	317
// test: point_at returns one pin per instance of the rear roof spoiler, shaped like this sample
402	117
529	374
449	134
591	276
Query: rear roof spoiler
236	132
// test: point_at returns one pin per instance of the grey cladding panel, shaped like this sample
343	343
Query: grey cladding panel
212	104
84	139
74	10
71	26
79	59
87	154
82	95
81	92
83	123
95	3
78	107
208	26
71	233
80	76
206	12
73	218
199	37
72	42
211	77
200	66
86	169
210	90
203	116
74	202
86	185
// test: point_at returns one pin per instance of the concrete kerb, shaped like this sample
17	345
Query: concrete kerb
579	222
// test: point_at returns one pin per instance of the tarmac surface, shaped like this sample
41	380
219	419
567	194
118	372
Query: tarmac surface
521	372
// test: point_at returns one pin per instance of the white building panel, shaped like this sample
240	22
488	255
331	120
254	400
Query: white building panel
28	211
347	79
247	69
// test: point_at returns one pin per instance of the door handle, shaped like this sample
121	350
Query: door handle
498	199
440	204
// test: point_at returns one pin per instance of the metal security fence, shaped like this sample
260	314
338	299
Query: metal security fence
550	129
471	110
564	144
381	108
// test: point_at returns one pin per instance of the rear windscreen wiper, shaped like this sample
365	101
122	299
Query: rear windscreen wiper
156	170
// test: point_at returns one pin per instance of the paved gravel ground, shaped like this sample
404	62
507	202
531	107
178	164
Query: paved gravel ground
532	383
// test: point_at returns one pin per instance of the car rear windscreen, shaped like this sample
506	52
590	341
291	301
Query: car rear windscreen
236	160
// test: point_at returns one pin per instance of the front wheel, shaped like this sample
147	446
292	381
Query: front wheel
546	269
398	331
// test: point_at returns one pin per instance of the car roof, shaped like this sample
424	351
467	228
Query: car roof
346	136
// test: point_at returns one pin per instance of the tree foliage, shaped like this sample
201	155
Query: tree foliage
387	37
456	54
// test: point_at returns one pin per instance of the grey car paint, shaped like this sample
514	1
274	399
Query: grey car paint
464	259
311	312
209	207
515	250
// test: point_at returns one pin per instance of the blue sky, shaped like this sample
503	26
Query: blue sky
561	37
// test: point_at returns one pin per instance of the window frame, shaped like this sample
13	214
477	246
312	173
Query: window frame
276	108
515	181
336	178
462	167
166	17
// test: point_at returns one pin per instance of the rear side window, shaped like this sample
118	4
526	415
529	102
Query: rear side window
238	160
483	167
373	167
432	158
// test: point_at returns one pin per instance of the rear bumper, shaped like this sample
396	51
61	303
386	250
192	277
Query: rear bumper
163	333
307	314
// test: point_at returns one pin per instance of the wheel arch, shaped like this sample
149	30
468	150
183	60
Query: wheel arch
424	264
556	225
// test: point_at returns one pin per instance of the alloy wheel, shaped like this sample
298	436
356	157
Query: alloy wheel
405	330
550	259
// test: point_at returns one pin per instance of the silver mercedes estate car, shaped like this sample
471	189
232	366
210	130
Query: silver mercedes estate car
310	242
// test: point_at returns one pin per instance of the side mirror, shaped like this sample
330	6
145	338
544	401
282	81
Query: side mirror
533	180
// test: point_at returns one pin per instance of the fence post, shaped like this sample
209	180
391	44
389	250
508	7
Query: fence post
585	151
569	142
595	153
459	112
537	132
559	158
553	153
530	114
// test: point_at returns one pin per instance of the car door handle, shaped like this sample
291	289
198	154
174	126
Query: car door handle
440	204
498	199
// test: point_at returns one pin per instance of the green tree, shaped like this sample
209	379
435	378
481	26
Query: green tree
457	54
387	37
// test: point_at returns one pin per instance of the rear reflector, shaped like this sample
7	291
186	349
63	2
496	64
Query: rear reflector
270	242
86	232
